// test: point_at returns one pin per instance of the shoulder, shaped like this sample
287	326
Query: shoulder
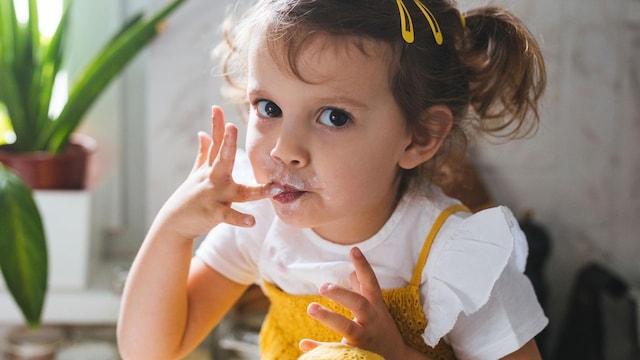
469	255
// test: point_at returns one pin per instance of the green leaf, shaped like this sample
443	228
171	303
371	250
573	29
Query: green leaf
29	66
10	96
23	249
7	28
131	22
10	45
51	63
105	66
32	71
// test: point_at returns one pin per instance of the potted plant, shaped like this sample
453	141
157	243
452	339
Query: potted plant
29	64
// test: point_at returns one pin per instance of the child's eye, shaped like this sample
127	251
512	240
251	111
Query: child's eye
334	117
268	109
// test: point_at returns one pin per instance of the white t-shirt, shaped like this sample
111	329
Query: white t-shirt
473	289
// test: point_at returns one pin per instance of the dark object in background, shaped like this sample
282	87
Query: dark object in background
539	251
601	320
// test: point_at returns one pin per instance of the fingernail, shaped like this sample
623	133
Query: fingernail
357	253
248	220
312	309
326	287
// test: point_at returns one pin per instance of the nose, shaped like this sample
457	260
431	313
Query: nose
291	146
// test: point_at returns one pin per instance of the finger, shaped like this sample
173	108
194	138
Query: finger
204	141
338	323
251	193
217	132
306	345
354	281
236	218
360	306
366	277
223	164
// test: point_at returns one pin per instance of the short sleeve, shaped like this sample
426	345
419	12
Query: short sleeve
510	318
227	251
475	270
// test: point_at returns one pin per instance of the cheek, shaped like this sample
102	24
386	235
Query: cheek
370	169
258	151
358	175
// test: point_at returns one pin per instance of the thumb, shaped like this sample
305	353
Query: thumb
306	345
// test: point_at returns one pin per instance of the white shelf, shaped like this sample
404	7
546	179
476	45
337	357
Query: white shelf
97	304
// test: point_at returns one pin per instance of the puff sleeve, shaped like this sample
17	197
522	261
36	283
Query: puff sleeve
477	295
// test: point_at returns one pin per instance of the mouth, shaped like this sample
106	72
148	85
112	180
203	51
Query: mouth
286	194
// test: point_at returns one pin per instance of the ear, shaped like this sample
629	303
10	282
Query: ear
435	124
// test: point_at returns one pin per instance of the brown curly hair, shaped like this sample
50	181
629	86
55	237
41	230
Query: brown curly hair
489	72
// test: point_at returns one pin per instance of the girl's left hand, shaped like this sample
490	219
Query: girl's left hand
372	327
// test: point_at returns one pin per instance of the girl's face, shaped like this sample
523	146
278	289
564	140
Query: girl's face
332	144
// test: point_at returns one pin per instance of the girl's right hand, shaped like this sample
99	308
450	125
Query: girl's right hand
204	199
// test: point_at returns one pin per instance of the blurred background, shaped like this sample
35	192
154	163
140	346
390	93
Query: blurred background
579	176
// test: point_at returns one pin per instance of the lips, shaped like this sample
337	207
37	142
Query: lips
286	194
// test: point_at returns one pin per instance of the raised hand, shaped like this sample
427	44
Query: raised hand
204	199
372	327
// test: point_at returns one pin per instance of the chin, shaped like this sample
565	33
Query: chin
292	216
296	222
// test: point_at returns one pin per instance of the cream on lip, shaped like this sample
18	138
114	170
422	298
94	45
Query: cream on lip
282	180
278	188
285	182
275	189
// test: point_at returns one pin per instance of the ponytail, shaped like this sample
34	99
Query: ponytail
506	72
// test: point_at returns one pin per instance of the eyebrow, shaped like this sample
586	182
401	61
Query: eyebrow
338	99
344	100
254	92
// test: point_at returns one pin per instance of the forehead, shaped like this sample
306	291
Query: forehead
305	56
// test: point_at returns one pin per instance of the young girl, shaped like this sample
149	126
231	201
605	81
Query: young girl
352	106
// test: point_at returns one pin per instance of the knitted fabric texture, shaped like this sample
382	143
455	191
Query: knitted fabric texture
339	351
287	321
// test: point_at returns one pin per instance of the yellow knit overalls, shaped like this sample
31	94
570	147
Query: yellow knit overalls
287	321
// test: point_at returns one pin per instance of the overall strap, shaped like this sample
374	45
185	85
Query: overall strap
422	260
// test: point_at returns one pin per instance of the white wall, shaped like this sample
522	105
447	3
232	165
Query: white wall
580	174
181	91
116	121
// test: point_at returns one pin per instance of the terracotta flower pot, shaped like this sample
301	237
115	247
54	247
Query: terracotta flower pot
45	171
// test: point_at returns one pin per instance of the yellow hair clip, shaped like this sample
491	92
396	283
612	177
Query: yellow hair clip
463	20
407	24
